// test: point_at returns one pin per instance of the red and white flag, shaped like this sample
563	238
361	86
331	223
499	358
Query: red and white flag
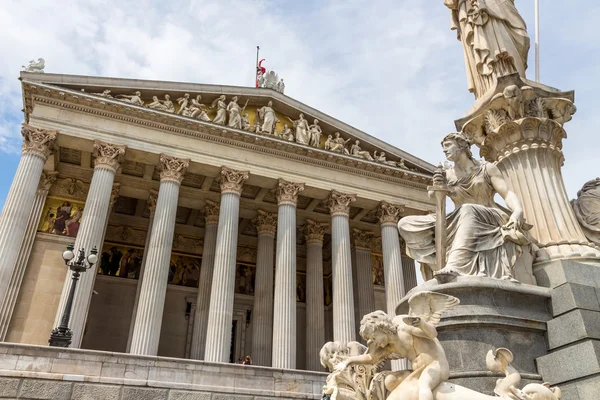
260	71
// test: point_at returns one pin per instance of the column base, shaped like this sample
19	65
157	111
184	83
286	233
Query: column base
492	314
567	250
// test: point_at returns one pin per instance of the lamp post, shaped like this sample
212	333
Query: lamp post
61	335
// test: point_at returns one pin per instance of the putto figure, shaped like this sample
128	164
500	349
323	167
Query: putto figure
494	39
483	238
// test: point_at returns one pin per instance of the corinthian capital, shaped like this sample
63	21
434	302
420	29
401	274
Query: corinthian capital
37	141
339	203
362	239
231	181
152	200
287	192
46	181
389	214
211	212
172	168
314	231
108	155
265	222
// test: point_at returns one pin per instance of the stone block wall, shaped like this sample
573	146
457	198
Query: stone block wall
36	373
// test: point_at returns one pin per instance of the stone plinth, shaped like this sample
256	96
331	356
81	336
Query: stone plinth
491	314
40	372
573	362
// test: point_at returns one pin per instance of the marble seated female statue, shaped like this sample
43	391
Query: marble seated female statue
482	237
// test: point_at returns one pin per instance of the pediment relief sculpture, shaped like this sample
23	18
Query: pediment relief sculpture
126	234
187	244
355	369
70	188
480	237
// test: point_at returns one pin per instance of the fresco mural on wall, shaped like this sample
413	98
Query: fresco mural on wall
377	271
61	217
245	274
184	270
121	261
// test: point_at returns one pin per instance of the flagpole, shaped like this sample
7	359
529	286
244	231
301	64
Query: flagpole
256	69
537	40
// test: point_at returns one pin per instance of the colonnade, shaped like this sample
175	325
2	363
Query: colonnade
274	322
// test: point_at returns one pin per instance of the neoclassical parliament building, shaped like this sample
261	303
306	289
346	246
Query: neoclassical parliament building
229	221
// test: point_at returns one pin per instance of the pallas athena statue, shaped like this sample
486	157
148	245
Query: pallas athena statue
482	238
494	39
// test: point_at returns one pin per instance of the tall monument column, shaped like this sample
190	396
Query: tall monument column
315	313
284	313
363	242
148	320
344	329
37	146
107	160
151	202
262	312
211	218
220	315
7	307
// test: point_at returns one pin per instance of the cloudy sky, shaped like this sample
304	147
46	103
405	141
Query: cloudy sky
390	68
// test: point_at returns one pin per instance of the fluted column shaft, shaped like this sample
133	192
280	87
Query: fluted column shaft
7	307
148	321
344	329
222	294
315	314
91	231
37	146
284	313
409	273
205	284
262	312
152	199
364	276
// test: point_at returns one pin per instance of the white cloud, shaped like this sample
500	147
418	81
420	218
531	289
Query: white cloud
390	68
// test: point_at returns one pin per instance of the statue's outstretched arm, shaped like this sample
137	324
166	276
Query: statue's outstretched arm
373	355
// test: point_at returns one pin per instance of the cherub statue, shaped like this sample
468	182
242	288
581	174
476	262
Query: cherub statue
357	151
135	99
35	66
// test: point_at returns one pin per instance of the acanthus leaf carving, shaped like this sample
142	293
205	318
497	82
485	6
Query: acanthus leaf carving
211	212
363	239
314	231
38	141
172	168
107	155
265	222
287	192
339	203
232	181
389	213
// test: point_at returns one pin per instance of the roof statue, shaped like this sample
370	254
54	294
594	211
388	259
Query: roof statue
494	38
270	80
355	369
35	66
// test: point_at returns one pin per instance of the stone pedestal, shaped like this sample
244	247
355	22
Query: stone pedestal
284	309
37	146
262	312
220	315
520	128
107	159
492	314
148	321
573	362
341	259
211	215
10	299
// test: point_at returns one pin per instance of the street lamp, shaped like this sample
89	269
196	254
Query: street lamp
61	335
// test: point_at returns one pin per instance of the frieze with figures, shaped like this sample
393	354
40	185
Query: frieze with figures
377	269
235	113
61	217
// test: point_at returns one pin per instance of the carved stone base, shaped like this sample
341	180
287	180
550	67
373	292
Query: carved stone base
492	314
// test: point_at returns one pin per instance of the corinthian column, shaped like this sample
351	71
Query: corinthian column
146	331
262	312
37	146
211	221
220	314
522	132
344	329
315	318
363	242
152	199
7	307
389	214
284	314
107	159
